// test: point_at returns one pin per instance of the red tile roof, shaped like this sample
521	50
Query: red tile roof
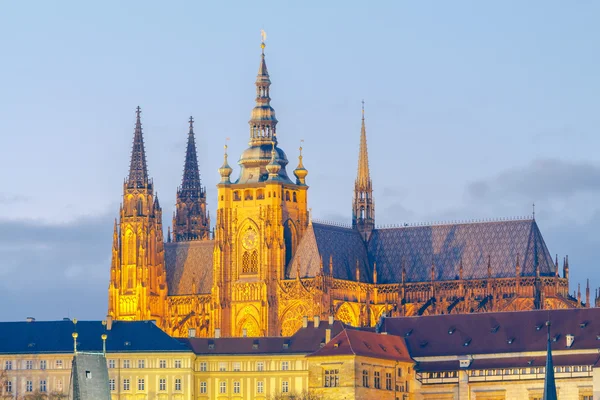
367	344
501	332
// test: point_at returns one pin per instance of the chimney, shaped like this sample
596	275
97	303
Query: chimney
217	333
327	335
192	332
109	322
317	321
330	320
30	319
305	322
244	332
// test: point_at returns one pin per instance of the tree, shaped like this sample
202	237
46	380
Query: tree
304	395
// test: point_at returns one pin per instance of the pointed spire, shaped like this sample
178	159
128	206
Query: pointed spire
138	171
587	294
374	272
169	234
363	178
549	382
262	121
115	236
363	210
273	167
190	183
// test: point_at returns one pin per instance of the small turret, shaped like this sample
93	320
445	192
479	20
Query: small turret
273	167
225	170
300	172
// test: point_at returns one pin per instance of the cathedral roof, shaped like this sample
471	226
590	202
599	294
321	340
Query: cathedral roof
417	248
189	264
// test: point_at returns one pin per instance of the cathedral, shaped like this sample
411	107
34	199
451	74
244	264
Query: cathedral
264	264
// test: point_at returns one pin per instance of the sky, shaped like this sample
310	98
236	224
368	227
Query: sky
474	110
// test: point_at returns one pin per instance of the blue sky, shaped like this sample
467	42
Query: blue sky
474	110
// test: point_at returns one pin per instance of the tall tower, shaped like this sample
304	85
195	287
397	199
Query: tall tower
191	221
138	285
363	206
260	219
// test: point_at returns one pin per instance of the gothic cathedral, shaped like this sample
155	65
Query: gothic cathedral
265	265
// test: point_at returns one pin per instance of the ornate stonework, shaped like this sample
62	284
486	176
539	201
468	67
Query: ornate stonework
268	265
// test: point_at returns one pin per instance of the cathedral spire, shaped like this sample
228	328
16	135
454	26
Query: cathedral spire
262	121
191	221
190	182
549	382
363	211
138	171
363	177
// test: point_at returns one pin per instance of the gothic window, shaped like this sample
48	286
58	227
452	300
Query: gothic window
362	213
130	270
287	196
248	195
260	194
140	206
236	196
250	262
130	248
294	197
269	194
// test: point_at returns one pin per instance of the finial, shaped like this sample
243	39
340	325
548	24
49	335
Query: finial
300	172
104	337
225	170
363	109
263	38
533	206
138	112
191	124
75	335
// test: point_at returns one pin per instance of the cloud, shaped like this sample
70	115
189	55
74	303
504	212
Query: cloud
49	269
542	179
8	198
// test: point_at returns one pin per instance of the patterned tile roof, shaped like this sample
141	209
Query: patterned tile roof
446	245
419	247
189	264
344	245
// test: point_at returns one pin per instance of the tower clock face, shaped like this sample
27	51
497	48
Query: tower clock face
250	239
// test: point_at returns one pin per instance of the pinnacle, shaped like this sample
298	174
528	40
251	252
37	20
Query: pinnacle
190	183
138	170
363	178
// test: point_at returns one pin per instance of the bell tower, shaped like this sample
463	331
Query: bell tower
138	286
363	206
260	219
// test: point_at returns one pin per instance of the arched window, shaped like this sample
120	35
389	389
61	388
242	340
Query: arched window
269	194
236	196
140	206
130	271
362	213
287	195
260	194
130	248
294	197
248	195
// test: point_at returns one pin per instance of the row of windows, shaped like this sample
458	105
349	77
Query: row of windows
29	364
237	366
379	379
141	384
237	387
142	364
507	371
43	386
260	195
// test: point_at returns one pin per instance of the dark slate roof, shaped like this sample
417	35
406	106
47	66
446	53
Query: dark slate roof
446	245
344	245
365	344
491	333
304	341
188	264
420	247
509	362
89	377
55	337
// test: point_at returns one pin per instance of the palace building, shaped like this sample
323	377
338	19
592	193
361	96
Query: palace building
264	264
